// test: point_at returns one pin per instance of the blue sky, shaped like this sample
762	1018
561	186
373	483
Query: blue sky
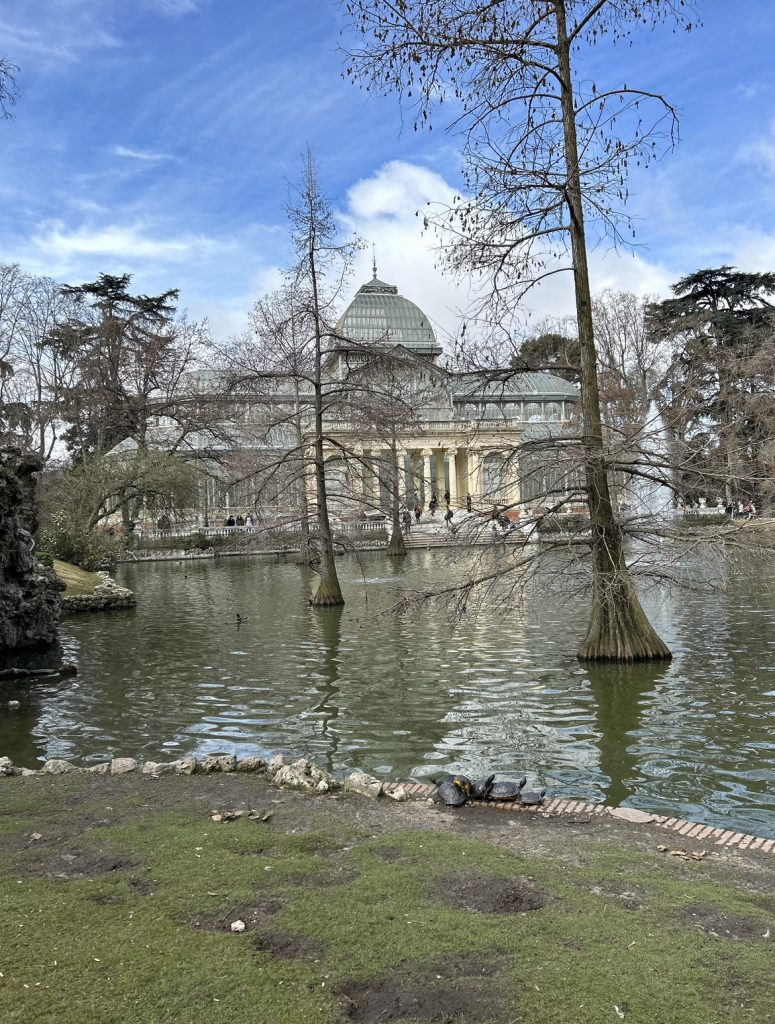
158	137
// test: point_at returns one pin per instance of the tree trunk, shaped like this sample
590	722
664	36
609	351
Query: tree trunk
306	553
396	546
618	628
329	591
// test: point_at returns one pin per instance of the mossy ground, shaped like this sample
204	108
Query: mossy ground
77	581
120	912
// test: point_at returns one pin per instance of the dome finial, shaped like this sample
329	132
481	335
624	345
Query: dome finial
374	260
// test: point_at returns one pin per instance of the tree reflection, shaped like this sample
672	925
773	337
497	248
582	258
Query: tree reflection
622	693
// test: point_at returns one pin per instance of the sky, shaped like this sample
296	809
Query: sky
160	137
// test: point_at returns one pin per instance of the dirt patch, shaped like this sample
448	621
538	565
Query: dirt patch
486	894
253	915
713	921
287	945
75	865
447	991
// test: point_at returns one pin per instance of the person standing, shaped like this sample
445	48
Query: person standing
469	503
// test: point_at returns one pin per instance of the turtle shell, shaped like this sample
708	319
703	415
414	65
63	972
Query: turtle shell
452	792
532	799
506	790
480	788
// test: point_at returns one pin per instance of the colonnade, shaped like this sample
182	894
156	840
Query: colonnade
427	471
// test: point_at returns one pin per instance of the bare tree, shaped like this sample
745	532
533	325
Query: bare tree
546	156
8	91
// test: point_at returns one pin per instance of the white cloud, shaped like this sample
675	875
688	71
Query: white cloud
139	154
57	243
382	209
175	8
62	31
761	152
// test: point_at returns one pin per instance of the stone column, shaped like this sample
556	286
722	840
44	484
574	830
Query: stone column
453	499
416	487
441	475
474	473
425	476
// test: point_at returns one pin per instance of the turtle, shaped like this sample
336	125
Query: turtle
506	790
480	788
532	799
453	791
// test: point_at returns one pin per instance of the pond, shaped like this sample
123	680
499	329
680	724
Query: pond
410	695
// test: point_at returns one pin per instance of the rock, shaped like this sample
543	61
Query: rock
363	784
632	814
68	668
12	705
185	766
251	764
7	767
56	766
274	765
24	772
29	593
218	763
158	767
399	794
103	768
305	777
123	765
238	926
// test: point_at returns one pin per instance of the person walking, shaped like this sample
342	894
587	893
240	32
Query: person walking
417	512
433	504
469	503
448	517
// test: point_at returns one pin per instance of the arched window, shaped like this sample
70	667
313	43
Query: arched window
534	412
553	411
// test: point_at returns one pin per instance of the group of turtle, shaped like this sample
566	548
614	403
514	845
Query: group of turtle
456	790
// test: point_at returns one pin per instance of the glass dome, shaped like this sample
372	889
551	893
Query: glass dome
379	315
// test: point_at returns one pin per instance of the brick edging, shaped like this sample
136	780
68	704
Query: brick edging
688	829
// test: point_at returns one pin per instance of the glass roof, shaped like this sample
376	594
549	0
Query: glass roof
378	314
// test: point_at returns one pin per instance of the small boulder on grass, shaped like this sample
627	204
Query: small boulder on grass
7	767
56	766
363	784
305	777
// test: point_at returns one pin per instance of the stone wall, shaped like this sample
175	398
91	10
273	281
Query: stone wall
105	596
29	593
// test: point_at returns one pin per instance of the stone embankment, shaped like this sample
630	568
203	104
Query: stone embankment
105	596
304	777
300	775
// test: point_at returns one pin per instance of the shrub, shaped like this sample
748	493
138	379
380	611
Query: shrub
88	550
45	559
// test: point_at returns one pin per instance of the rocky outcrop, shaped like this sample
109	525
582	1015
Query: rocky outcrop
29	593
106	595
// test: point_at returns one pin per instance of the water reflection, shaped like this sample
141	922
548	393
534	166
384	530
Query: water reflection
622	695
412	694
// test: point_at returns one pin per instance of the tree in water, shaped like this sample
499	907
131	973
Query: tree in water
323	262
546	151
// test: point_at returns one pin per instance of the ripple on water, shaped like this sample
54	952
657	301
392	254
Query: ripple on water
416	693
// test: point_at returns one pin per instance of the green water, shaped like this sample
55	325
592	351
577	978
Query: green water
409	695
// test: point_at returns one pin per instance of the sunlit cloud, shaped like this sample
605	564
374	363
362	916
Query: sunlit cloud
139	154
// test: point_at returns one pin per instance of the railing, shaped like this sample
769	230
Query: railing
367	526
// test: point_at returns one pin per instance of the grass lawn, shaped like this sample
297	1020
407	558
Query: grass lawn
117	897
78	581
